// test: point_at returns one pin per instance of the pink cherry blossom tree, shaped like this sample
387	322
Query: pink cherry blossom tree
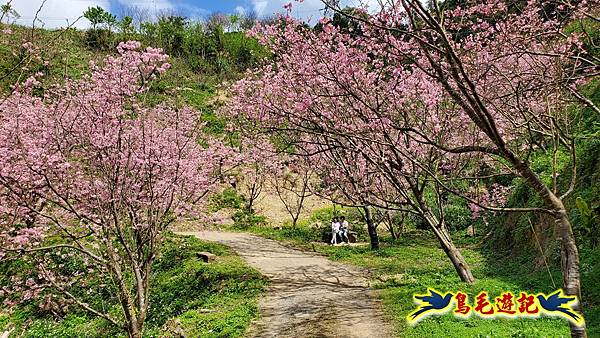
511	71
90	180
424	94
342	114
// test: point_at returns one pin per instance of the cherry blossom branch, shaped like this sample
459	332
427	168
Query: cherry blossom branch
82	304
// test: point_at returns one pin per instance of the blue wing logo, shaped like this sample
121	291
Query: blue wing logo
555	304
558	304
431	303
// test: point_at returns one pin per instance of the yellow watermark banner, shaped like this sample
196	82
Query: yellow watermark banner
505	305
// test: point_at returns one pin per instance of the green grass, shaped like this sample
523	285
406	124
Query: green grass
188	297
415	262
305	230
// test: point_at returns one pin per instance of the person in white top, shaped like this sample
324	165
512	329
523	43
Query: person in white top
344	228
335	228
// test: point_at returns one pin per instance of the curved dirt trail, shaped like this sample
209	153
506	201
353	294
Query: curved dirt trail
309	295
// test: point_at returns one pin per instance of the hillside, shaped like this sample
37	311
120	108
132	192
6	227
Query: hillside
179	147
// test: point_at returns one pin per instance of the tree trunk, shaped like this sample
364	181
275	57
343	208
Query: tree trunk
133	330
392	233
570	267
569	252
373	237
457	259
390	225
443	235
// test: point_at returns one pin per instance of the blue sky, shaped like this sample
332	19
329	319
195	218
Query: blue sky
57	13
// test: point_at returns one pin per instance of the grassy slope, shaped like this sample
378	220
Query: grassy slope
189	297
416	262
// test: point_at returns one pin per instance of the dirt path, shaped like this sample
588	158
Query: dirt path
309	295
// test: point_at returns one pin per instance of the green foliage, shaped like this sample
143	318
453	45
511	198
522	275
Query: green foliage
457	213
589	221
325	215
171	34
210	51
301	234
13	56
201	300
218	324
228	198
72	326
8	11
97	16
126	28
583	205
96	37
244	220
584	209
214	124
589	30
99	39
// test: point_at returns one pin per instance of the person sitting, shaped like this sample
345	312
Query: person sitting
344	229
335	229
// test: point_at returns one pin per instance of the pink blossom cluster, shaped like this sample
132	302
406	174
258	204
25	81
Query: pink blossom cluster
496	196
91	167
378	95
324	89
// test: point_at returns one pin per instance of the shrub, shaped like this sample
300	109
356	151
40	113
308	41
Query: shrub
245	220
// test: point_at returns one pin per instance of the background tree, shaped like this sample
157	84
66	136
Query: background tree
393	220
249	19
126	28
217	21
98	36
8	12
234	22
292	188
261	165
96	15
110	20
171	33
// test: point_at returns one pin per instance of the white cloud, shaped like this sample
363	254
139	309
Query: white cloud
305	9
191	11
302	10
153	6
61	13
150	10
240	10
55	13
146	10
261	6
